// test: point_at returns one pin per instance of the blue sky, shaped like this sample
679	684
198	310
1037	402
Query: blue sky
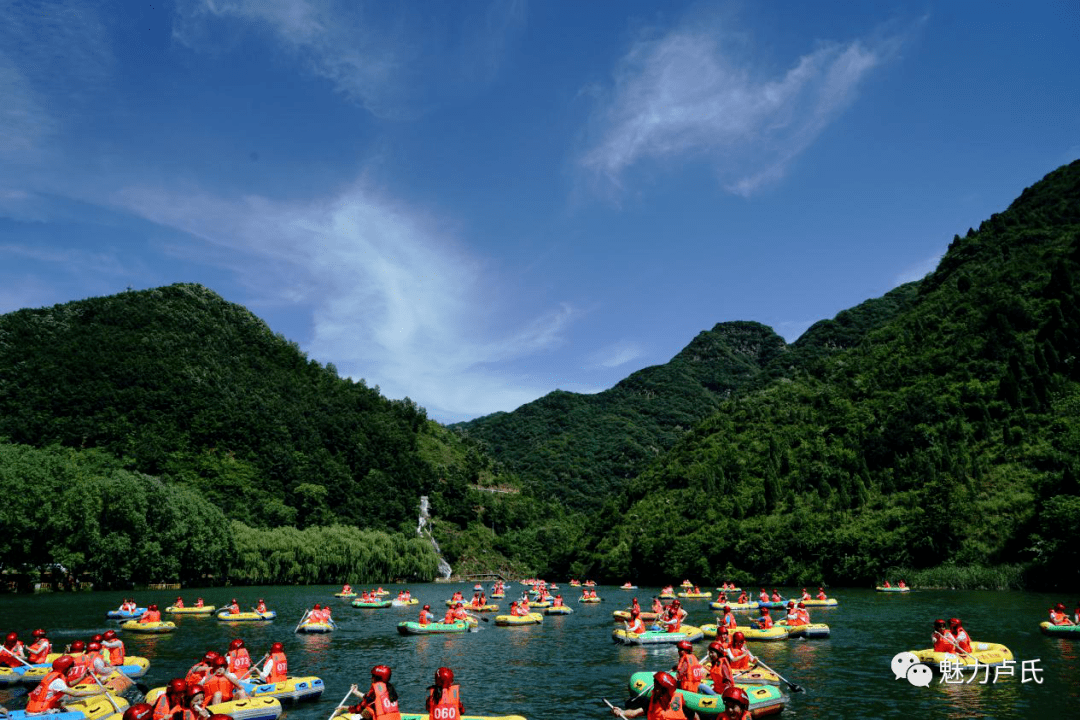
475	203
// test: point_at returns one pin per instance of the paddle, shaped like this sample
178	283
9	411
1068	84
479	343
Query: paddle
793	686
306	613
340	704
106	691
253	666
614	709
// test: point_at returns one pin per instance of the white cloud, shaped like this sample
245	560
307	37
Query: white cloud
918	270
688	95
377	55
394	300
616	354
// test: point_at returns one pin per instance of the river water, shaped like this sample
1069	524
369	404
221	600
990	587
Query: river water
562	668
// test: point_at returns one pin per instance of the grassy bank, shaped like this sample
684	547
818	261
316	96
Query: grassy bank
967	577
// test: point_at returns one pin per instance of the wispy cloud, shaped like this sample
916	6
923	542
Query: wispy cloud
918	270
393	299
377	55
687	94
616	354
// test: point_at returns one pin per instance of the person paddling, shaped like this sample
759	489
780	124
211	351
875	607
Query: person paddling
665	702
942	639
276	667
152	615
238	658
738	654
1057	615
821	594
172	704
963	640
426	616
444	697
764	620
13	653
49	693
635	625
221	685
381	700
39	650
689	672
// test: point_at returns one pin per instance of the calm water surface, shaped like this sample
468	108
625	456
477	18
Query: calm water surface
561	668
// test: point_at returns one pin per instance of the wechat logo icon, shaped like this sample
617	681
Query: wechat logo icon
906	665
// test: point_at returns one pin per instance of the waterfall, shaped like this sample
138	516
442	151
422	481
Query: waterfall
444	567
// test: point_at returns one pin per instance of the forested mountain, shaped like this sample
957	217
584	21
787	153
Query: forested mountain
949	434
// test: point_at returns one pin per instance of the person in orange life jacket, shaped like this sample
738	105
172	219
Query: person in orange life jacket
380	702
963	640
763	596
689	672
172	704
791	617
634	604
901	584
199	602
722	637
151	615
221	685
557	601
276	667
102	670
821	594
178	603
114	646
426	616
728	618
1057	616
234	607
886	584
635	625
39	650
803	614
719	671
942	639
195	700
764	621
54	686
739	656
669	621
776	596
736	704
13	653
743	598
200	669
657	606
519	609
77	671
444	697
346	589
805	595
238	657
665	701
260	607
722	597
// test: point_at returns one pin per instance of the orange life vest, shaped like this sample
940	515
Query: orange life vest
239	661
9	655
116	652
822	596
164	709
765	621
234	609
720	674
943	641
42	698
151	616
1058	618
636	626
383	708
217	683
196	676
689	672
672	710
39	651
963	640
739	658
449	705
802	617
279	668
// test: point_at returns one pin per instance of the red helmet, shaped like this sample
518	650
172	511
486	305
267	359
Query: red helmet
177	686
318	606
277	647
736	694
193	690
727	608
716	647
93	646
444	677
664	680
236	644
11	639
427	607
802	604
39	633
381	673
152	607
721	630
140	711
96	638
109	635
208	658
234	602
635	613
78	646
219	662
1059	606
260	600
63	663
738	638
954	622
939	623
685	645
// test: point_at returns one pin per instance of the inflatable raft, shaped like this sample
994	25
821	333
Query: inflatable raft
372	605
559	610
652	637
497	596
772	604
756	676
764	699
814	602
540	605
247	616
418	716
204	610
261	708
315	627
344	595
125	614
586	600
508	620
165	626
751	634
879	588
404	603
813	631
92	708
982	653
752	605
1065	631
624	616
695	596
415	628
293	689
628	586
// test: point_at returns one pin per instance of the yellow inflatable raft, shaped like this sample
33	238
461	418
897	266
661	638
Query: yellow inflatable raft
982	653
695	596
166	626
204	610
530	619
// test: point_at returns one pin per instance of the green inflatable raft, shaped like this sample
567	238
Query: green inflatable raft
1065	631
764	699
372	604
653	637
415	628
